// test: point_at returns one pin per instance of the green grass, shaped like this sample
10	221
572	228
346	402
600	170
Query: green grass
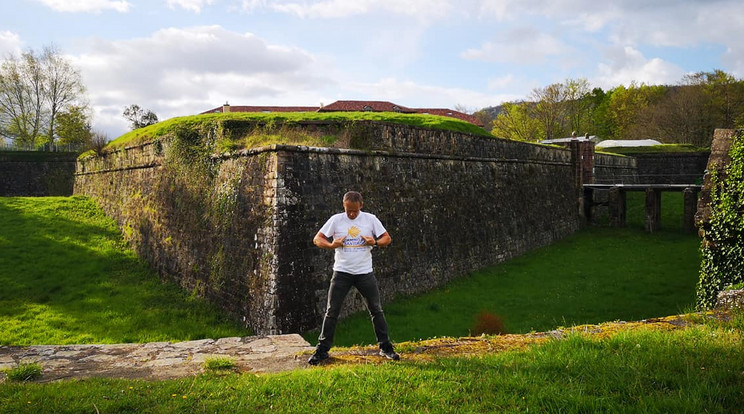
196	121
24	372
655	149
599	274
67	277
684	371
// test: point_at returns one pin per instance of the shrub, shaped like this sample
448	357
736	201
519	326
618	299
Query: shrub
488	323
219	364
722	248
24	372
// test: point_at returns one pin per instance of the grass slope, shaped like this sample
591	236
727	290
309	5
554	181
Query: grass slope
688	370
655	149
68	278
197	121
596	275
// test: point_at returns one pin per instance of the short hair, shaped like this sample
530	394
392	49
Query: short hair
353	196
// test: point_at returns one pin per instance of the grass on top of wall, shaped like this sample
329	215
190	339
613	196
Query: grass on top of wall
599	274
67	277
690	370
198	121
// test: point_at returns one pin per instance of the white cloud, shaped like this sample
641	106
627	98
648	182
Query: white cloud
525	45
90	6
10	43
192	5
178	72
626	64
412	94
422	9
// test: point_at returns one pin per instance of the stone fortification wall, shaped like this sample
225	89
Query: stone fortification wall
36	173
452	202
615	169
671	168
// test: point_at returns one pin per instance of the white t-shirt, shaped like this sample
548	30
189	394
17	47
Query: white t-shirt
355	256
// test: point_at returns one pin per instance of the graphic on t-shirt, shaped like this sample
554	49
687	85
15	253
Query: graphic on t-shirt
353	241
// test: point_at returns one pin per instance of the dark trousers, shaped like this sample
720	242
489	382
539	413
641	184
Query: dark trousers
366	284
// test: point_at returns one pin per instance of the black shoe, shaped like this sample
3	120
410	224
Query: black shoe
390	354
317	357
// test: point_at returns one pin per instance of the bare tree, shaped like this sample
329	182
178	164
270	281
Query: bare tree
63	85
139	117
549	108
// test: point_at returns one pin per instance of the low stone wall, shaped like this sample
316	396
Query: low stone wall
615	169
452	202
36	173
671	168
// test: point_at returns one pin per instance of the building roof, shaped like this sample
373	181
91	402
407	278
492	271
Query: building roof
450	113
352	106
366	106
220	109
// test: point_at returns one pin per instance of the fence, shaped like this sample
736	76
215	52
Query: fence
77	147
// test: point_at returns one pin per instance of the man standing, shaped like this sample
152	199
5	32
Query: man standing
354	234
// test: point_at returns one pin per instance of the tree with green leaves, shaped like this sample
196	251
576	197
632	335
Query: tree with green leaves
34	89
139	117
73	126
515	122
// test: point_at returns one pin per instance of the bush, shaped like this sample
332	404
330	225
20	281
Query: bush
722	248
488	323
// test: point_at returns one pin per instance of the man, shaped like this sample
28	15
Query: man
354	234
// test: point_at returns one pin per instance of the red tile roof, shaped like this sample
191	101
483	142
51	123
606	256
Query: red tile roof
354	106
450	113
365	106
219	109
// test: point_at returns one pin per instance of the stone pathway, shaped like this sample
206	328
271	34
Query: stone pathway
159	360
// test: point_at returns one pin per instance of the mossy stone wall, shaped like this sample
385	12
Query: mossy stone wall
452	202
36	173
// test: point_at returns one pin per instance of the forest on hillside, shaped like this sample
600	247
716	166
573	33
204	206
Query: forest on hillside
685	113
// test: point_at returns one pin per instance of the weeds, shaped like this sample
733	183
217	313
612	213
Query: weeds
24	372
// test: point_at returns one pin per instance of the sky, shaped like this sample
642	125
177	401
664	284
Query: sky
183	57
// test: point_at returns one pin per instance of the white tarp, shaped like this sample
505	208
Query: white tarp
609	143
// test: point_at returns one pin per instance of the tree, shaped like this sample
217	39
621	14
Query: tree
549	109
34	88
515	122
63	86
139	117
73	126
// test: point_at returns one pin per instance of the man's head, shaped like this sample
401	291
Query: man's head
353	204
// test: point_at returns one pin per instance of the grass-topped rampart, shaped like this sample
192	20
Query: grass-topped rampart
266	128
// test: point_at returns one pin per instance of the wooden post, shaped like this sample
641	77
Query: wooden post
616	207
688	220
653	210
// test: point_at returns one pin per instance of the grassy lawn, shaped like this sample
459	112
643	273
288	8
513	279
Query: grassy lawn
693	370
67	277
599	274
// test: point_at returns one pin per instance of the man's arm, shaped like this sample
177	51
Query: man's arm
321	240
382	241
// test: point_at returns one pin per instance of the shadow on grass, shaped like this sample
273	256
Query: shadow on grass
68	277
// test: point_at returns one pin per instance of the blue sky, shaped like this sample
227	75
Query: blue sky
181	57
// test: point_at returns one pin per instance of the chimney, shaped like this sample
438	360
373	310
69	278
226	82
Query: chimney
226	108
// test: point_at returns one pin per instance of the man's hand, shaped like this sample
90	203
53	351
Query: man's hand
321	241
339	242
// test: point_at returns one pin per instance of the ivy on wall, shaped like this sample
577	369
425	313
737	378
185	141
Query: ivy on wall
722	248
